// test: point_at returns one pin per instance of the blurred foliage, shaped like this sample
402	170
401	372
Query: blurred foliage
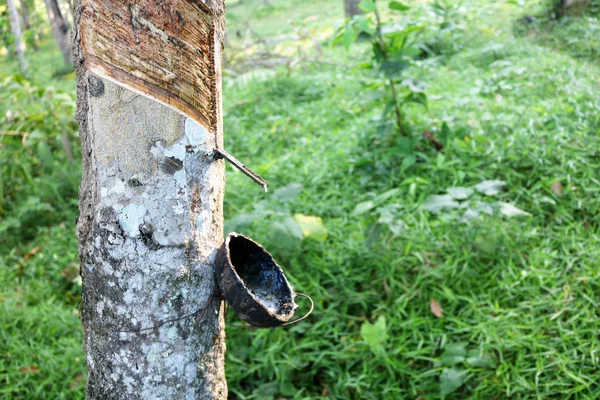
39	159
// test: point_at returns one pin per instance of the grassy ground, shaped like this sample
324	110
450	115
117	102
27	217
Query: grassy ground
519	295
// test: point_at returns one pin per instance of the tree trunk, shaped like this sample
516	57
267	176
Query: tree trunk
60	29
150	225
27	24
25	15
351	8
575	7
15	26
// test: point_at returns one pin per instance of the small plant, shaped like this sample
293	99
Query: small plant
392	51
445	37
457	359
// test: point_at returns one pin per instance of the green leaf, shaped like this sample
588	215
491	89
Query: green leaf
363	207
446	134
407	162
396	5
364	24
454	353
416	98
490	188
373	234
451	379
404	146
439	203
349	37
375	334
388	217
44	153
288	192
312	226
242	221
480	360
286	233
459	193
510	211
410	52
415	86
386	195
367	6
392	68
378	54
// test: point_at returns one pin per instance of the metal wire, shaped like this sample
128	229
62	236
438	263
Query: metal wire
312	307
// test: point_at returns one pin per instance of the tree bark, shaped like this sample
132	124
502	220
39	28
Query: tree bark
60	29
15	26
351	8
150	225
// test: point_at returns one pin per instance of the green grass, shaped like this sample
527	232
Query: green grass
520	293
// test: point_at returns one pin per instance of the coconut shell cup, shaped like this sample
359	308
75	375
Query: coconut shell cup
253	283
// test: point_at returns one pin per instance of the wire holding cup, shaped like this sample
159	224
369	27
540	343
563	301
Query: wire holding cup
250	327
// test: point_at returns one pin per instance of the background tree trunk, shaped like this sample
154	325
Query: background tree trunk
25	14
564	7
351	8
15	26
60	29
31	39
150	225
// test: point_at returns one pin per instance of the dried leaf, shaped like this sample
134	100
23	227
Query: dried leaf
436	308
76	382
556	188
311	226
31	253
30	369
71	272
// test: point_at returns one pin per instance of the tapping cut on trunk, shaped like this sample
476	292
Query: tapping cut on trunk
164	50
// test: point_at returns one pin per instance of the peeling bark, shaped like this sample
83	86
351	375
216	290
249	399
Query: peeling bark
60	29
15	26
149	229
164	50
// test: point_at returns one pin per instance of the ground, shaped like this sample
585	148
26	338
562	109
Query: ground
519	292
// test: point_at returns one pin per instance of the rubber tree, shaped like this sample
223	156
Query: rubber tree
60	29
150	211
15	26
